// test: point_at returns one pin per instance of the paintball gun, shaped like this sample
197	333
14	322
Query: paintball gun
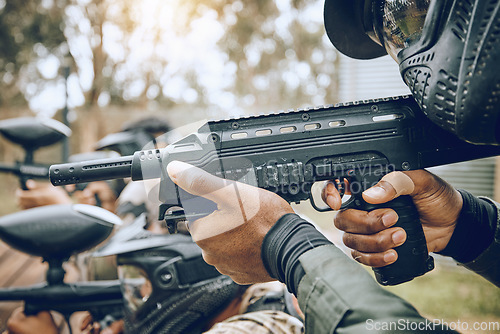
55	232
31	133
288	152
116	185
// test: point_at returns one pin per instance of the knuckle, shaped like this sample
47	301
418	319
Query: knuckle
380	242
350	240
375	221
371	260
208	259
196	182
342	221
357	256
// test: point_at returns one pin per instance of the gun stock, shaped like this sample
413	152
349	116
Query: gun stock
288	152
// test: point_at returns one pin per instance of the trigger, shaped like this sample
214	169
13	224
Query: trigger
340	185
350	202
174	217
171	226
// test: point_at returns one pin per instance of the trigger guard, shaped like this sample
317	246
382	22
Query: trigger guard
349	204
340	186
311	199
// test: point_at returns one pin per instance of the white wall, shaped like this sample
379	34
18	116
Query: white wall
368	79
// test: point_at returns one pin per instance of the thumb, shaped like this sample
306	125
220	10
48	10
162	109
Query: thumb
389	187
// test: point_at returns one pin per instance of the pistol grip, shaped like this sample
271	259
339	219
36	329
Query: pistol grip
30	310
413	257
22	182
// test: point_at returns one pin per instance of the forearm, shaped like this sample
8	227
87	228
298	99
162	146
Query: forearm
335	293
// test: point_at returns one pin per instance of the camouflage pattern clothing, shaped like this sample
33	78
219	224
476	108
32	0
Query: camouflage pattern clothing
261	321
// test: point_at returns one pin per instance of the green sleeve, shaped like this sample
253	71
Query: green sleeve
337	295
488	263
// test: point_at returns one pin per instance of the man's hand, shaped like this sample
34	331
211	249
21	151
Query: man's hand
370	234
231	237
89	326
40	194
20	323
97	191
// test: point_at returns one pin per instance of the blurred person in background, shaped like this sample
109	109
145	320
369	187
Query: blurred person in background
134	136
169	288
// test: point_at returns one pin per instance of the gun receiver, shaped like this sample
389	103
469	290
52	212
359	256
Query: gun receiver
288	152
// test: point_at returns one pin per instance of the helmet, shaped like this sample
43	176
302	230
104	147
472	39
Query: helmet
446	50
167	287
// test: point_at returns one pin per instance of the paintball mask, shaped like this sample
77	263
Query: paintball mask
166	284
447	51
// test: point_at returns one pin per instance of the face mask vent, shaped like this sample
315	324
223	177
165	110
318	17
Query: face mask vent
417	78
463	14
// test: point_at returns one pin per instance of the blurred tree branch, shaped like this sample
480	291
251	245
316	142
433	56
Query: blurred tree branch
267	55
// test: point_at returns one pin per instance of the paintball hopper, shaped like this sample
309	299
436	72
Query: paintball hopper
32	133
125	142
57	231
136	238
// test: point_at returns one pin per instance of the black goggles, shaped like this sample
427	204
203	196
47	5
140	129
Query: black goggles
395	24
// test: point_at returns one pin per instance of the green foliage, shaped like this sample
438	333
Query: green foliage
271	57
283	41
23	24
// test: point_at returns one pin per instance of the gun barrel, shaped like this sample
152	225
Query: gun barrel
88	171
142	165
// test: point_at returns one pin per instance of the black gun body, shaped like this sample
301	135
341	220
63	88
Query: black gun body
288	152
26	171
100	298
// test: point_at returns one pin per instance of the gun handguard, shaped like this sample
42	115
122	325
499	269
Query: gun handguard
288	152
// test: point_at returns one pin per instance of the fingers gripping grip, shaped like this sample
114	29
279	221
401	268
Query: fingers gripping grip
413	256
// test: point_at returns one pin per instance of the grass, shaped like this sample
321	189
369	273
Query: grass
452	293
